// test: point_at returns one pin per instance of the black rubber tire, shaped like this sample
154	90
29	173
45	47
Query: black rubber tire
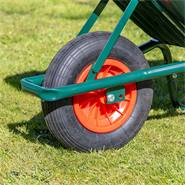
63	70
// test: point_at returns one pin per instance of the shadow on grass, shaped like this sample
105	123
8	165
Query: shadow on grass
14	80
35	130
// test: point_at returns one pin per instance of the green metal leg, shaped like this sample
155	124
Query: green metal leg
94	16
172	86
112	40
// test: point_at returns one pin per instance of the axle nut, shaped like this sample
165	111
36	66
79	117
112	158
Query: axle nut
174	75
111	98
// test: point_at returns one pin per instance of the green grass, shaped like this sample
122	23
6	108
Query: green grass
31	32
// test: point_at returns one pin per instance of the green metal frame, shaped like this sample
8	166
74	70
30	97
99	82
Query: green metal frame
34	84
152	44
112	40
94	16
114	85
110	43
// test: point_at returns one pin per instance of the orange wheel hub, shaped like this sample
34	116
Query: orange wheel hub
91	109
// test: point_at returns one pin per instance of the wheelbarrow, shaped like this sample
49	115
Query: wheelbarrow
97	92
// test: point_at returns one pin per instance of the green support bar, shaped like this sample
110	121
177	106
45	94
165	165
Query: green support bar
94	16
34	84
172	86
115	84
112	40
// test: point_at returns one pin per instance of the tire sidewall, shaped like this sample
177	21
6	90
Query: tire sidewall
62	121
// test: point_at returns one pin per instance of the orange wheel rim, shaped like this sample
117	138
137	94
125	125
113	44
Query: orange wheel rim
91	109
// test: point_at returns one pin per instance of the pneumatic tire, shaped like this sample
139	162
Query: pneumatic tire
65	118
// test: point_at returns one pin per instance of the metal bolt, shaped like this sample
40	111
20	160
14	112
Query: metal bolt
174	75
110	97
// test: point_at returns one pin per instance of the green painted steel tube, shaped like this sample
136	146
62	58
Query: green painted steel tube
94	16
33	84
112	40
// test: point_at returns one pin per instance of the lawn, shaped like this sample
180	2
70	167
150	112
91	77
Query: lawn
31	32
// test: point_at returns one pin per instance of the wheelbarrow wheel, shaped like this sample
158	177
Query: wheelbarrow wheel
85	122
